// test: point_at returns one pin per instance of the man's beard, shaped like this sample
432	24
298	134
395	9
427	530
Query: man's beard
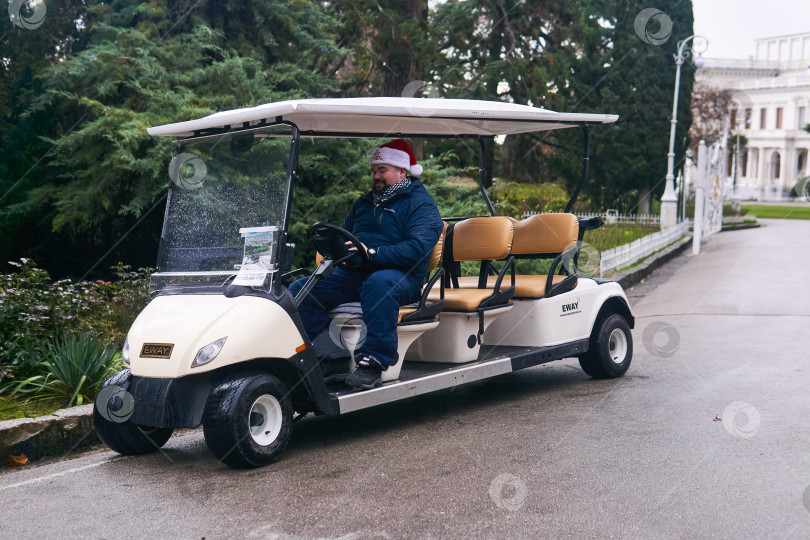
378	187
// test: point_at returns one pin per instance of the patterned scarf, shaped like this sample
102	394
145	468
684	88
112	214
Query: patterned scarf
387	193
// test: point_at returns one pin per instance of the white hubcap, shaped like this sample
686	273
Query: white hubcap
264	420
617	345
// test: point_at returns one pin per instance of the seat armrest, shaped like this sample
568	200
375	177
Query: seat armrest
563	259
499	296
590	224
427	310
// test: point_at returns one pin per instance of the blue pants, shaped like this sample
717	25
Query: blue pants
380	294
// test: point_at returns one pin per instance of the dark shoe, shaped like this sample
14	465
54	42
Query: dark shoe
368	374
334	371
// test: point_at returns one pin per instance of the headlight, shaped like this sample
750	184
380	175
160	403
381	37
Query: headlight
125	352
208	353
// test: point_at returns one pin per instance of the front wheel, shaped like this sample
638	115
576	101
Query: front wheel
610	351
111	418
248	420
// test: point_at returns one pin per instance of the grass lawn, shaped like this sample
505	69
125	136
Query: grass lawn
611	236
11	408
778	212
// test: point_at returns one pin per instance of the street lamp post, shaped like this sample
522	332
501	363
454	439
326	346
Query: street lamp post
669	201
735	202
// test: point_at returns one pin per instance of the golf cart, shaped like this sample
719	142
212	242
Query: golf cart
222	343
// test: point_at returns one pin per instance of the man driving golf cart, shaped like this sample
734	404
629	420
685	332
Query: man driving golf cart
398	225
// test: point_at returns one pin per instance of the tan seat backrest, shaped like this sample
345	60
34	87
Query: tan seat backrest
545	233
482	239
436	254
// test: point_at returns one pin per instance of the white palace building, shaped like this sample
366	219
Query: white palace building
772	90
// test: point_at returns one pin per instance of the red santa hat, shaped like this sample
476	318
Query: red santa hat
397	153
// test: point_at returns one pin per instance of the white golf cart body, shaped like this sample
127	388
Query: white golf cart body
218	311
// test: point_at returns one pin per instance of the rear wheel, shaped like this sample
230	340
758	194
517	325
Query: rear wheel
111	418
610	351
248	420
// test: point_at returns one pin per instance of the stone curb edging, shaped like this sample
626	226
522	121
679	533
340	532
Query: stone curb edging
52	435
740	227
630	277
72	429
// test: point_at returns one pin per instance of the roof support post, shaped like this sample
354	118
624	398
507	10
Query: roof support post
481	172
585	161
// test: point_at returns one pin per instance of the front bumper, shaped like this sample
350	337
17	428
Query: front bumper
175	403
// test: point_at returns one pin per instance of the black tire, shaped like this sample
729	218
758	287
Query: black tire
126	437
235	412
610	351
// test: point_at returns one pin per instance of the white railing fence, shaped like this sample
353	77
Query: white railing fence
611	216
621	256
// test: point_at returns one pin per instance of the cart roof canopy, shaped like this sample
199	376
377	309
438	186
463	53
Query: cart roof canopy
387	117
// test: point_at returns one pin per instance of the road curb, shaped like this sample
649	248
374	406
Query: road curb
630	277
52	435
72	429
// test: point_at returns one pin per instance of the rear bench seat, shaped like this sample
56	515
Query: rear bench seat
540	236
468	311
477	239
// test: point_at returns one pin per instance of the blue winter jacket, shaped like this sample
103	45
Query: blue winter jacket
403	229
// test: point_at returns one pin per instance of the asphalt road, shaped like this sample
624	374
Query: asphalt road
707	435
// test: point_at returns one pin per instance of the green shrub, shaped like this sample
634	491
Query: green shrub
74	370
34	309
515	199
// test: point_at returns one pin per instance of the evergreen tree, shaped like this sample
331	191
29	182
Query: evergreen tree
27	48
620	73
511	50
145	64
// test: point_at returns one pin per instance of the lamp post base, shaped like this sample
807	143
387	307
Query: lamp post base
669	214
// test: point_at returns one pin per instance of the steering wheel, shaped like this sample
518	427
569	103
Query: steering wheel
328	242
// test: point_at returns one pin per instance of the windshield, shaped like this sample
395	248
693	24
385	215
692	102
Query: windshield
226	207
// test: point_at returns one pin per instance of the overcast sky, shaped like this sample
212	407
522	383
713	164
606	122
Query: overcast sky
732	25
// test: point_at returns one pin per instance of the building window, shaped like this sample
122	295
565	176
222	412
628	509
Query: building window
779	117
744	164
802	118
748	115
763	117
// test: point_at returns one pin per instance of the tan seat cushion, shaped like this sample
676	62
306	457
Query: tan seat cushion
482	238
526	286
545	233
403	312
436	254
460	299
